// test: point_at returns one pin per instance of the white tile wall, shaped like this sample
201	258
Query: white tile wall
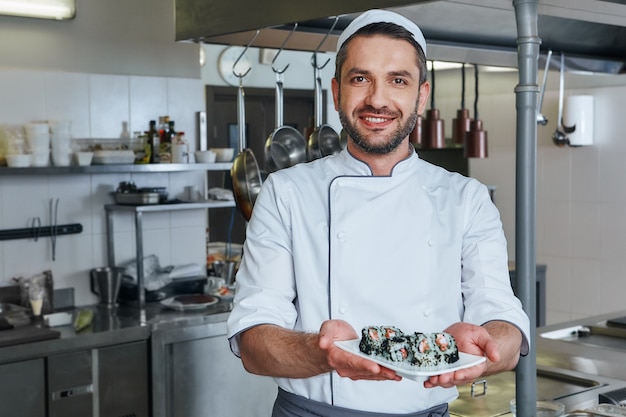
581	197
96	105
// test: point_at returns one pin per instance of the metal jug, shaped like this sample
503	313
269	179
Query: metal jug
105	282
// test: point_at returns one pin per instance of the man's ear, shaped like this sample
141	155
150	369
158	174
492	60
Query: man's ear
335	88
423	97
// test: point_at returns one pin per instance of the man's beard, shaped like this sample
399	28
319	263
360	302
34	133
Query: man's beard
389	145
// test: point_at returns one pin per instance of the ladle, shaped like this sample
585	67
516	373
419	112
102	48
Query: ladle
559	137
285	146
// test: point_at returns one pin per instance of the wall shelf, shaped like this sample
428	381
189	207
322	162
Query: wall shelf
115	168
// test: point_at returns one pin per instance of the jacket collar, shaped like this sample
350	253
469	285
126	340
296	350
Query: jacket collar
354	166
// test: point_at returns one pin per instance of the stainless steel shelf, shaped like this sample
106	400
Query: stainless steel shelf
115	168
138	210
170	206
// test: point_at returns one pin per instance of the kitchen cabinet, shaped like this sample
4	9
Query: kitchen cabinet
109	381
22	388
195	374
105	381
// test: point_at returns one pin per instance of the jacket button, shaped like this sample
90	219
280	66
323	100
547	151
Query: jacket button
427	313
341	235
342	310
431	243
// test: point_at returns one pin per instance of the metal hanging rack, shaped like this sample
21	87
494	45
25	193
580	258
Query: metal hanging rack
281	71
314	57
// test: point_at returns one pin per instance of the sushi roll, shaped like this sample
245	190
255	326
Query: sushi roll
397	349
372	338
423	354
445	347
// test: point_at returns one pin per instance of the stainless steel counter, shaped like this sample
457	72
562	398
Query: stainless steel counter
114	326
585	345
576	362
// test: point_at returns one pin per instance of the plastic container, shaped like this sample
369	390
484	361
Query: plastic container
61	158
40	158
83	158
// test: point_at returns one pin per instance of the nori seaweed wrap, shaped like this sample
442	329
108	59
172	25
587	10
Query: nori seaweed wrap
372	338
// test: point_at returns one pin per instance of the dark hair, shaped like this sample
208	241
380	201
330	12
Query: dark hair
387	29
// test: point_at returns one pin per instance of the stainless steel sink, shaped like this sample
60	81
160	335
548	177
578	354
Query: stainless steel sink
491	396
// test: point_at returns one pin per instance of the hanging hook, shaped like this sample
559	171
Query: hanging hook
314	57
36	228
239	75
281	49
54	213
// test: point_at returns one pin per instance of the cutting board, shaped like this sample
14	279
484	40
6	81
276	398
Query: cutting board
26	335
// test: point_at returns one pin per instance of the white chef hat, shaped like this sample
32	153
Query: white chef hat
379	16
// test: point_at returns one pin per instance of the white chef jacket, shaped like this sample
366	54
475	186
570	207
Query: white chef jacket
420	249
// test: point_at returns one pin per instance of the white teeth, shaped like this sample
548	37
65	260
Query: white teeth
375	119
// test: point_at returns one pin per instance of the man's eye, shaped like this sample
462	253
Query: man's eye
399	81
358	79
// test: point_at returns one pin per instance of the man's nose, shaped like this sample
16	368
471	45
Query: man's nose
378	95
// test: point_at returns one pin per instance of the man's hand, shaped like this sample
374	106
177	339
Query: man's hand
499	341
346	364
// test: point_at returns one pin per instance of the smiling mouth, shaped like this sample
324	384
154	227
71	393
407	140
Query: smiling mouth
375	119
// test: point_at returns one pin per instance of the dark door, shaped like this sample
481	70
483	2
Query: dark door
260	123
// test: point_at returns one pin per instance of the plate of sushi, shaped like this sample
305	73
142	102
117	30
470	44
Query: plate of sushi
410	371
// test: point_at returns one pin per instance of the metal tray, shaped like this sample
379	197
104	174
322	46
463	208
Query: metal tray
137	199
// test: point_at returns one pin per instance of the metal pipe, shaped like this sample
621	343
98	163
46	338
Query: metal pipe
526	95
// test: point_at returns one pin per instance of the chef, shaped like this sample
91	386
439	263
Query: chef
373	236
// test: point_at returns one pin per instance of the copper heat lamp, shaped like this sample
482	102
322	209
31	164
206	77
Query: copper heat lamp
433	127
461	125
476	139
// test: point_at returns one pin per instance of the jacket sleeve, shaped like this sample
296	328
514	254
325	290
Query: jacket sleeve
486	283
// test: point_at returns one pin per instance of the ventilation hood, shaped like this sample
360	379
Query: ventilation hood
591	33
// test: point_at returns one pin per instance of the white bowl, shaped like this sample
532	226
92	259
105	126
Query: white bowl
205	156
18	160
83	158
223	154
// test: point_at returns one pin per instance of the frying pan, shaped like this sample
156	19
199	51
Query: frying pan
324	140
286	146
247	182
245	173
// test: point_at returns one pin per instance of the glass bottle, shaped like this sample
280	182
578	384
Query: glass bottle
153	143
165	134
